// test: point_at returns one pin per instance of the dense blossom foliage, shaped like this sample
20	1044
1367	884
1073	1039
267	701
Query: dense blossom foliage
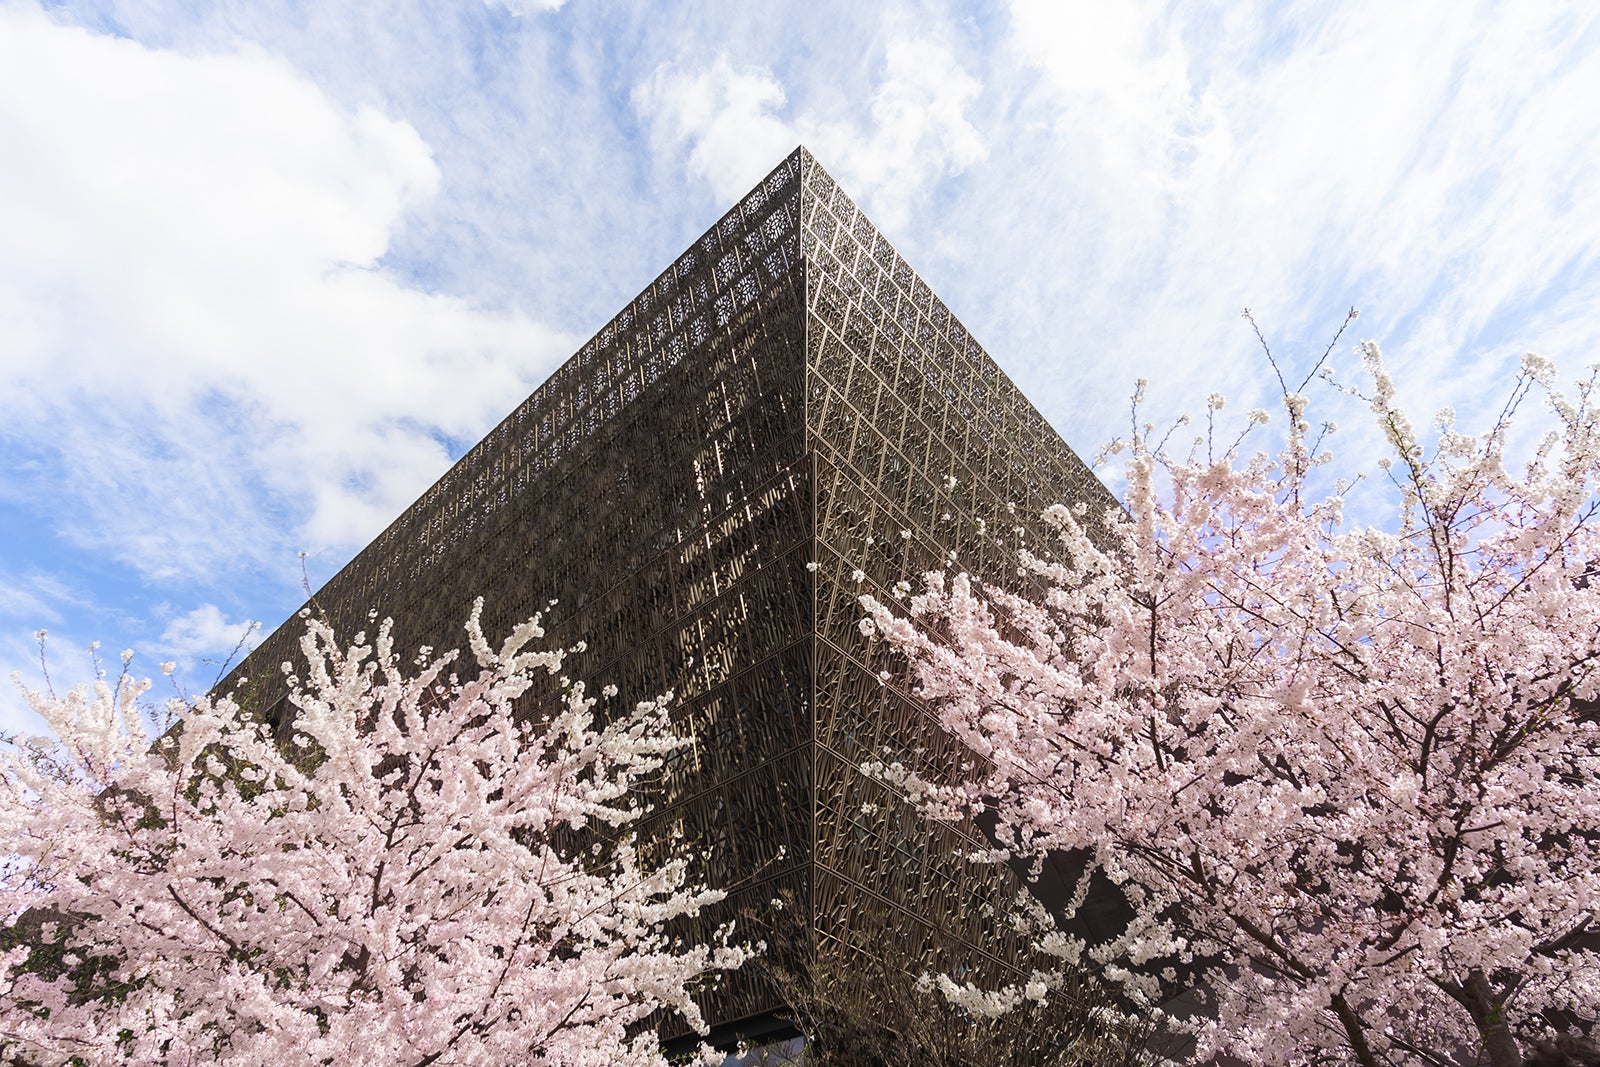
417	875
1347	775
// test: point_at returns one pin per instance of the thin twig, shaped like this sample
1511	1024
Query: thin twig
1350	317
1251	319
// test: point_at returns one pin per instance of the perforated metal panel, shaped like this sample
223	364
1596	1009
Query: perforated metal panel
787	392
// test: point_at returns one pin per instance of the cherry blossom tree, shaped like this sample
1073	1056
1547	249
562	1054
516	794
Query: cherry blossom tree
416	875
1348	775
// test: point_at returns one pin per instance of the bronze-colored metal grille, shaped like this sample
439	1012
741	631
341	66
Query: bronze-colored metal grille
788	392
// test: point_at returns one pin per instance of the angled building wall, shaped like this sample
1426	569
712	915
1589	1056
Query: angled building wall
787	393
925	456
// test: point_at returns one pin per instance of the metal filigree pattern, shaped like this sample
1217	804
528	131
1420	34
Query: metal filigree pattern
789	392
926	457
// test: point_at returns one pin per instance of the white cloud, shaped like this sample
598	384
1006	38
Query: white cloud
199	330
524	8
727	116
205	634
735	124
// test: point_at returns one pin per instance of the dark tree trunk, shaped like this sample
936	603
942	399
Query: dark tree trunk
1354	1031
1489	1015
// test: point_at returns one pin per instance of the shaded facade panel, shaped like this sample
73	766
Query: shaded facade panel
785	418
652	499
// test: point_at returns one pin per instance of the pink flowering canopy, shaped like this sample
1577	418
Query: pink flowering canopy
1348	776
396	885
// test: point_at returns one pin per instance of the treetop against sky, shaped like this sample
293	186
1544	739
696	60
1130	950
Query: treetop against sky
268	269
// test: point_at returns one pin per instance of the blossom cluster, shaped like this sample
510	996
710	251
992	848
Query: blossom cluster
1348	777
419	872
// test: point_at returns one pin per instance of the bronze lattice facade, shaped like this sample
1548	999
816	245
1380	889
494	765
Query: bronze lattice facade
786	405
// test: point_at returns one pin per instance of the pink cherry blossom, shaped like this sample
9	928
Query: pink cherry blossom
1347	775
408	880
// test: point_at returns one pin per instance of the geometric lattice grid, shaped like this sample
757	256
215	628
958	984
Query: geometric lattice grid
788	392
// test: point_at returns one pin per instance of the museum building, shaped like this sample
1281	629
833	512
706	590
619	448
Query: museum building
786	418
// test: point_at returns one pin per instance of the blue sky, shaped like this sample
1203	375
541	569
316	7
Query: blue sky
266	268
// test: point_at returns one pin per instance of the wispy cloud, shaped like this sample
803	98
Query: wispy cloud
35	595
732	123
726	116
1099	190
526	7
203	635
262	273
1434	165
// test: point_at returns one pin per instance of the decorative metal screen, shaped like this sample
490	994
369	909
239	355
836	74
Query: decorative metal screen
788	392
926	457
